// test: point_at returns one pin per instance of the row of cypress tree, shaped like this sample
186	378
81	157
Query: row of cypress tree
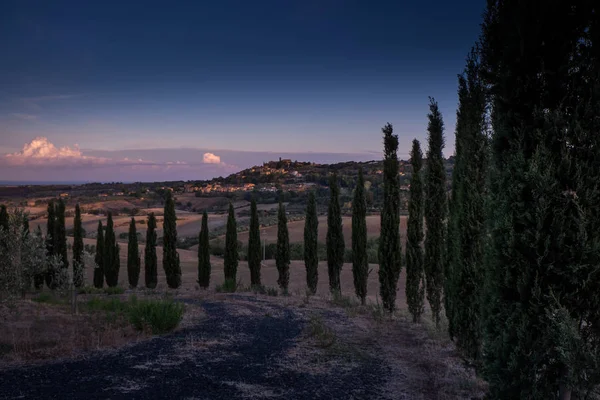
513	255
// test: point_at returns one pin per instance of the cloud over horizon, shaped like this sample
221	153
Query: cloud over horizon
210	158
41	160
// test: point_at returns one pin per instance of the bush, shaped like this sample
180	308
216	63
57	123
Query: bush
217	248
114	290
114	305
262	289
156	316
229	286
296	251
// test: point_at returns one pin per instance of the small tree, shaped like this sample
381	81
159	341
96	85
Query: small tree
170	256
50	244
254	256
78	261
231	257
150	259
415	278
61	234
360	264
112	263
99	258
335	237
133	256
204	266
311	256
282	258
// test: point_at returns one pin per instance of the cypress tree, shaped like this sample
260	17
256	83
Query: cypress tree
231	257
204	254
360	262
51	244
282	258
61	234
99	258
542	272
467	213
78	262
3	221
254	256
150	259
170	256
112	262
133	256
415	277
4	217
311	255
335	237
25	225
435	211
389	241
38	279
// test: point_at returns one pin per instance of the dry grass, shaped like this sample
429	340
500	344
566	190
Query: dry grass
33	331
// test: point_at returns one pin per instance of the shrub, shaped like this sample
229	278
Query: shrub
114	290
229	286
157	316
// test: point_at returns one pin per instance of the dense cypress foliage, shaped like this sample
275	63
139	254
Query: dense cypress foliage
51	243
311	256
112	263
150	259
389	241
3	221
541	298
61	234
254	256
3	217
282	258
435	211
464	269
133	256
335	236
99	258
360	262
415	276
204	254
231	256
171	263
78	261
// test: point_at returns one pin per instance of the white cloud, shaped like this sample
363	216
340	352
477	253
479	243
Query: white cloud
40	151
210	158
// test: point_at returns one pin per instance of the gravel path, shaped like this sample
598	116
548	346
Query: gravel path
235	352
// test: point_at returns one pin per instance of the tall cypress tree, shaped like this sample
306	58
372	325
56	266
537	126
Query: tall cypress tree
335	237
99	258
204	266
541	299
61	234
112	262
171	263
311	255
3	221
360	262
415	277
51	244
390	256
78	261
133	256
282	258
435	211
231	257
467	214
254	256
150	259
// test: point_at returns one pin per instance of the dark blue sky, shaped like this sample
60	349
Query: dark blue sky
281	76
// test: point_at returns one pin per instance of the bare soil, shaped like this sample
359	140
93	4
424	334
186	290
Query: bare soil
239	346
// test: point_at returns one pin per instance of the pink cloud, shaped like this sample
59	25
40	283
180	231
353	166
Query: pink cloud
40	151
210	158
